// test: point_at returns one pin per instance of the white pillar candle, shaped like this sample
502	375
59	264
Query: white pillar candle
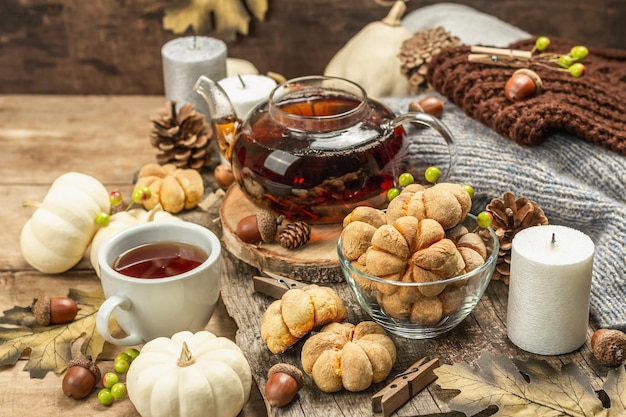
246	91
184	61
549	289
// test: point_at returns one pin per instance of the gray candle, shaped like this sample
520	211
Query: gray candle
185	60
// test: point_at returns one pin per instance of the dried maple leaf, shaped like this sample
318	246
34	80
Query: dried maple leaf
531	388
230	16
50	346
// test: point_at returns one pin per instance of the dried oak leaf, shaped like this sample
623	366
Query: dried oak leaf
50	346
532	388
230	16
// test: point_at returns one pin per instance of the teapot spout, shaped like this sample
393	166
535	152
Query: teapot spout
223	116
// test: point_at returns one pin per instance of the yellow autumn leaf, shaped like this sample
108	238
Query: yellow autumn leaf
230	16
50	346
531	388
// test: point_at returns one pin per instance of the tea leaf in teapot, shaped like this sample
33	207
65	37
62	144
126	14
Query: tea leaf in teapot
50	346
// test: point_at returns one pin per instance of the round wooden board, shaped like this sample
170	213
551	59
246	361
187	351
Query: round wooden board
315	262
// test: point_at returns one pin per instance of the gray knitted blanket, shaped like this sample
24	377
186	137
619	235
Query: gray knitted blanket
576	183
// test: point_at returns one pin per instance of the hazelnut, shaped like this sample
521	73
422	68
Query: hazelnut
524	83
259	227
283	383
609	346
429	105
80	378
55	310
223	174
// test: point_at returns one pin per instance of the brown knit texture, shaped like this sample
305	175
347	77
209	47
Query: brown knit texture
592	107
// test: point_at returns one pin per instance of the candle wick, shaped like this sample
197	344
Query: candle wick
553	238
243	84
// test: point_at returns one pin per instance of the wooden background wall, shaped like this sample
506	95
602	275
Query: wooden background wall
113	46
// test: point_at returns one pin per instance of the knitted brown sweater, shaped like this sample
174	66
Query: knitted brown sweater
593	107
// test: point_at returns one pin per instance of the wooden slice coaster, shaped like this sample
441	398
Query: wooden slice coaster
315	262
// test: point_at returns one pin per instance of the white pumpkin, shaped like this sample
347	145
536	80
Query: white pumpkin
121	221
370	58
191	375
57	235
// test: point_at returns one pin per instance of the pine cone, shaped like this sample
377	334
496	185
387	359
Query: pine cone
182	139
416	52
295	235
510	216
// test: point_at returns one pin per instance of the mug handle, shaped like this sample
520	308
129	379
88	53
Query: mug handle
426	119
104	316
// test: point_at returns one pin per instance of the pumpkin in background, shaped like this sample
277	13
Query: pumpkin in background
190	375
123	220
370	58
60	230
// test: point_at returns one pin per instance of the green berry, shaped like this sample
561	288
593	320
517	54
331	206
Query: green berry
132	353
577	70
105	397
579	52
565	61
141	194
109	379
119	391
542	43
102	219
393	193
115	197
121	366
484	219
469	189
432	174
405	179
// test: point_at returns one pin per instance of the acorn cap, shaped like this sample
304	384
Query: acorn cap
268	225
87	363
288	369
41	310
610	348
533	76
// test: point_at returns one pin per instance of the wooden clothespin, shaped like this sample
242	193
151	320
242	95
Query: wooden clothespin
274	285
404	387
514	58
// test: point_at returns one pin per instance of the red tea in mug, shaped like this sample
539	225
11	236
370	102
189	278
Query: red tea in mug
159	260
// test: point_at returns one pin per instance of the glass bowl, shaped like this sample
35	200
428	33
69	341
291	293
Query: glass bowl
460	296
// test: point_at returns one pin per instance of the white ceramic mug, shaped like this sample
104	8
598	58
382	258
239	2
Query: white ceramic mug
150	308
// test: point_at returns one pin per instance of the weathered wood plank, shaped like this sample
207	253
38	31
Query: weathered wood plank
78	47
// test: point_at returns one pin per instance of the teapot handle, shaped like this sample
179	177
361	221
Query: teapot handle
430	121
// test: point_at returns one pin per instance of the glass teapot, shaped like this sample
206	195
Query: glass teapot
316	149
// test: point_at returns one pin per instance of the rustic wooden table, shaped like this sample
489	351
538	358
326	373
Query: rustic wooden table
42	137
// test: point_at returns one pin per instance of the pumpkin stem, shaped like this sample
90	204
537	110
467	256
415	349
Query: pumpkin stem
394	17
30	203
158	207
185	358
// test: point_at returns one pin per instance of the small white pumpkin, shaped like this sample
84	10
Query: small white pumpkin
370	58
123	220
191	375
57	235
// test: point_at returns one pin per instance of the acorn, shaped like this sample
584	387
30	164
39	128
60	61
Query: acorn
283	383
524	83
259	227
429	105
223	174
609	346
81	377
55	310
